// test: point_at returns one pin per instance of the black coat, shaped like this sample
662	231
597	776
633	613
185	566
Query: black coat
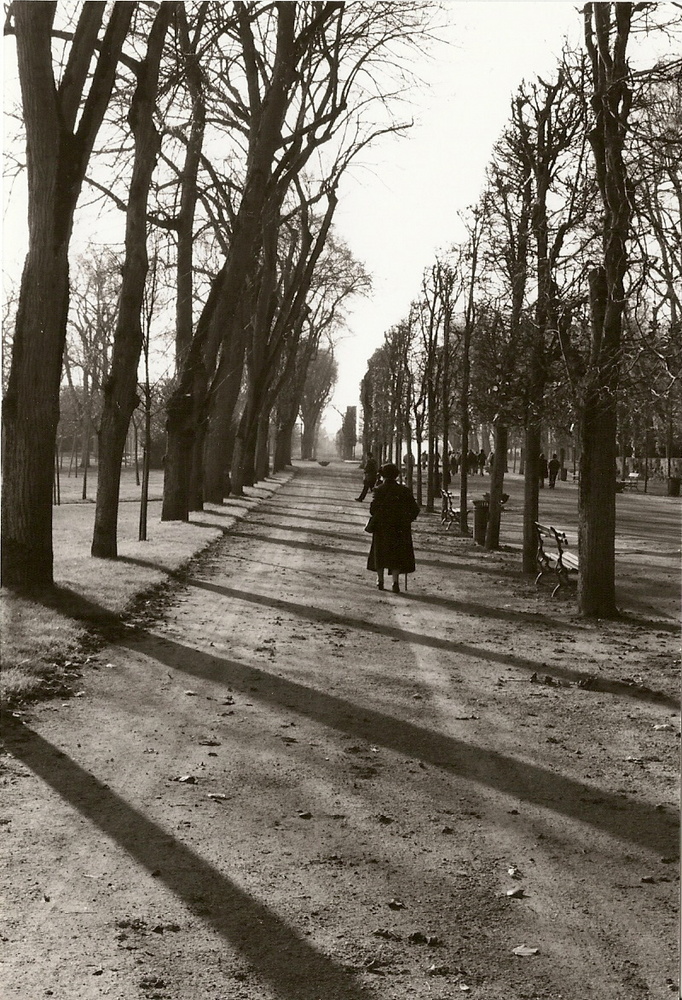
394	509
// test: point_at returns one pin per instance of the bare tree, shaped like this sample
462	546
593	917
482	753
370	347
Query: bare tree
62	118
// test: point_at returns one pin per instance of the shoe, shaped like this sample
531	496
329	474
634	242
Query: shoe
380	585
396	588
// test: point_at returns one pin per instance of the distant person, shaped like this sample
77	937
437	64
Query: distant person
553	467
393	510
472	462
491	460
454	463
543	470
370	477
480	462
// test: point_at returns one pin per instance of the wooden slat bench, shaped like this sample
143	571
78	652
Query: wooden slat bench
561	562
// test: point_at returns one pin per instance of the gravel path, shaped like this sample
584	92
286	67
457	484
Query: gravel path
281	783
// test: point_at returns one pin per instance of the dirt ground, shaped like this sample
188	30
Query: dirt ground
278	782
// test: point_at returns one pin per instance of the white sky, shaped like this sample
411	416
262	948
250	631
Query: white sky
402	207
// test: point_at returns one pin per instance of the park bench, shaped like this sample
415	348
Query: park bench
449	514
561	562
632	481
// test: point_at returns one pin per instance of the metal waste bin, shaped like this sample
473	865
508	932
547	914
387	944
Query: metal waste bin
674	486
481	514
563	475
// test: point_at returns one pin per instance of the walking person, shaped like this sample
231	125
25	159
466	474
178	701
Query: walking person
543	470
553	467
370	477
480	461
393	510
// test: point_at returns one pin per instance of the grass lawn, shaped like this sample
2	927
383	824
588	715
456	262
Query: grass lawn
43	644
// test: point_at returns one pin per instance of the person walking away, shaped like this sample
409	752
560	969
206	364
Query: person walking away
542	470
370	478
553	468
472	461
393	510
480	461
454	463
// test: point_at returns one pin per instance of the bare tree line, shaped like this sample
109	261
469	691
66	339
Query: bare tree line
559	309
225	130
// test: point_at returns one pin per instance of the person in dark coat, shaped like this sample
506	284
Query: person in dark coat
370	478
393	509
480	461
553	467
543	471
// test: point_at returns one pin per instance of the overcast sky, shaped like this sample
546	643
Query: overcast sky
401	207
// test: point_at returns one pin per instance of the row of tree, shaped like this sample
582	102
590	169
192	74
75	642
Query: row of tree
221	131
560	307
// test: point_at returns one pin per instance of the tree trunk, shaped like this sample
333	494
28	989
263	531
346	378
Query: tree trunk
217	454
492	538
597	508
262	448
120	389
56	164
531	494
611	103
283	444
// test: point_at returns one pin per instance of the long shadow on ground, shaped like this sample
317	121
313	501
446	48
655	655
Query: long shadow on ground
294	543
625	819
434	642
294	967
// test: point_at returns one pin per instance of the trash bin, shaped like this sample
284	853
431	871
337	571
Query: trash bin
481	514
674	486
563	475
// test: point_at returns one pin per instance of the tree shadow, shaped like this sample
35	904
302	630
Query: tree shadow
625	819
293	543
586	681
291	964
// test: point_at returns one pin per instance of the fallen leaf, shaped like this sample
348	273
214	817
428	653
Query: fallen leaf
438	970
209	743
417	938
514	872
649	879
191	694
305	815
388	935
464	988
395	904
517	893
523	951
386	820
665	726
187	779
217	796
